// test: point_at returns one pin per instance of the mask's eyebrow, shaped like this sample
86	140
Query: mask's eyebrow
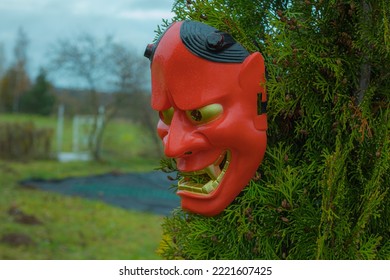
160	100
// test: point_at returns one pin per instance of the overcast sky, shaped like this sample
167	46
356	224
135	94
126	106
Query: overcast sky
131	22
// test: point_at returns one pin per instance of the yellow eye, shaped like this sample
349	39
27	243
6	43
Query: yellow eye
167	115
205	114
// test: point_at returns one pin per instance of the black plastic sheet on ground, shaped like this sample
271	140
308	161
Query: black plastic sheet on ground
148	192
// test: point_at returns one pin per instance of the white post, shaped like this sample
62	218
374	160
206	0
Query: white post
100	118
99	123
60	128
75	134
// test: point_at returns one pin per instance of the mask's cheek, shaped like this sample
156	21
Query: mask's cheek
232	134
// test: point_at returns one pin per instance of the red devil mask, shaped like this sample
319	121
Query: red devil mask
209	92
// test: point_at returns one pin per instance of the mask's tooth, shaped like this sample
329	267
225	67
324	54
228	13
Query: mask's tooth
217	170
220	159
213	171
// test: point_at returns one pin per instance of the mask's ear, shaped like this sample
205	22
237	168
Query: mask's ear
252	81
252	75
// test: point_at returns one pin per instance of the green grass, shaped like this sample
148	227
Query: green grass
70	227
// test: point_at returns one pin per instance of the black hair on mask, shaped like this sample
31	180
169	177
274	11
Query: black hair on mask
206	42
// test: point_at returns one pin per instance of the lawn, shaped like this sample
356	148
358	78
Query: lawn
41	225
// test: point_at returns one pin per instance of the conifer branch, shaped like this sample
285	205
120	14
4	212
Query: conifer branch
365	69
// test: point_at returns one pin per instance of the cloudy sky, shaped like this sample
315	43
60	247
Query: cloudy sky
131	22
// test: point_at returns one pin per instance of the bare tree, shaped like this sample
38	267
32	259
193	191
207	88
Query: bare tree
21	79
127	74
101	65
2	60
14	80
3	80
83	58
129	77
128	70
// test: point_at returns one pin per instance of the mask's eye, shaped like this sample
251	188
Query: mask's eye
167	115
205	114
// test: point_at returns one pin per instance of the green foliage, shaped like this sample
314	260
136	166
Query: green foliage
39	99
322	191
13	85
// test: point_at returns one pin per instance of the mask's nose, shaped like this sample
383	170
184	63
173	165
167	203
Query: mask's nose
182	138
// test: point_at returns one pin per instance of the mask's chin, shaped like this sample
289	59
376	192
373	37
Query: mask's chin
208	179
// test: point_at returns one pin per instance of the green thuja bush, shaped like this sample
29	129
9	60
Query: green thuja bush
323	189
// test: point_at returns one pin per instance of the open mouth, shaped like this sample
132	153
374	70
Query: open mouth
206	180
